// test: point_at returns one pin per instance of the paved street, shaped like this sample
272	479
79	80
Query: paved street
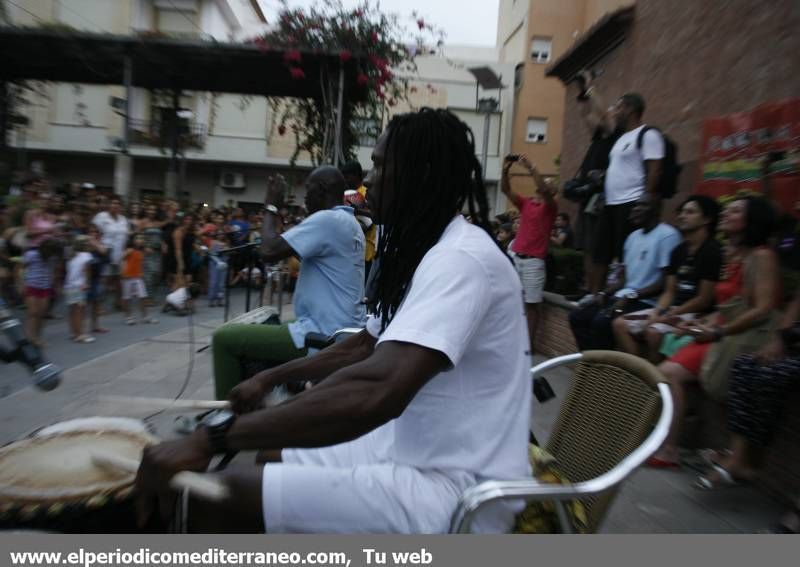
159	361
66	354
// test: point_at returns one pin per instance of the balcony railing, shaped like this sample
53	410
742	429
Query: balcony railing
157	134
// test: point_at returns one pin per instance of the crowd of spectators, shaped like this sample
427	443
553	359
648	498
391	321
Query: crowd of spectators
706	300
98	255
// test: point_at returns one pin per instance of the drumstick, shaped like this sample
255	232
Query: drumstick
200	485
167	403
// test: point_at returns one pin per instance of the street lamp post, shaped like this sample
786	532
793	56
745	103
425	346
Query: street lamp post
487	80
486	106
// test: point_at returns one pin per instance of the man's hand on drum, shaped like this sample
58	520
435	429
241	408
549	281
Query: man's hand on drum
159	464
248	396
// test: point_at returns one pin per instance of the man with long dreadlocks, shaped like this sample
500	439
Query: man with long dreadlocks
430	399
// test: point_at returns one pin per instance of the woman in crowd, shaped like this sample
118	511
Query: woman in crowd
135	216
114	228
100	258
751	279
150	228
214	240
758	386
39	265
180	247
40	223
562	232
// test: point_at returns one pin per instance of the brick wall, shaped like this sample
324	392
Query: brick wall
691	61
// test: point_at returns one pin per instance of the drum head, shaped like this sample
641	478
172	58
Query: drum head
58	468
95	424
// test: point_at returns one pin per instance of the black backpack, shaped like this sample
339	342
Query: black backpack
671	169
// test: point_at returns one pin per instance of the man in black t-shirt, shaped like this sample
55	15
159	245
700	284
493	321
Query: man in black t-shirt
593	167
693	271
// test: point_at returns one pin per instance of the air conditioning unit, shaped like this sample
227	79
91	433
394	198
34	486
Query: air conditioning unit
232	180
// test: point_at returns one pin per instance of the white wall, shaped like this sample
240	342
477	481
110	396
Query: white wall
143	15
80	105
452	77
213	21
89	15
237	117
512	30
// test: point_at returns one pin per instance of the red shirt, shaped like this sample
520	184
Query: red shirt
536	220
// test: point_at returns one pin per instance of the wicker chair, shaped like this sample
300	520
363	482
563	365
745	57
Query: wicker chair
616	414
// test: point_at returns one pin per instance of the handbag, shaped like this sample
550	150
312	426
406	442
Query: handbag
719	359
583	187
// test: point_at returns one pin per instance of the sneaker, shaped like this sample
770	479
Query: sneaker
130	321
84	339
149	320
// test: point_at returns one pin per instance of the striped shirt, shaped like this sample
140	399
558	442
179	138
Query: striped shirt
38	273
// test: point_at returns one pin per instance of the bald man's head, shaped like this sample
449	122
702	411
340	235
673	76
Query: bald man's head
325	188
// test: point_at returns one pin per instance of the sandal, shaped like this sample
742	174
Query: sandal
712	457
724	480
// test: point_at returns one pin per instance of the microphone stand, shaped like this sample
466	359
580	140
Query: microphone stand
235	250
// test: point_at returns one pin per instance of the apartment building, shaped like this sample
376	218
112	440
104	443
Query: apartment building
530	35
232	142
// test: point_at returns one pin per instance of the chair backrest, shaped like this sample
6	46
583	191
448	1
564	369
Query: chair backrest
610	409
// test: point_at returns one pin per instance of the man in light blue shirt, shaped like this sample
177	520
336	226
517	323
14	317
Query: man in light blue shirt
639	283
330	287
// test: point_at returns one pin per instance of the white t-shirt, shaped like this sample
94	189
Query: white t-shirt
647	254
115	234
626	174
465	300
76	271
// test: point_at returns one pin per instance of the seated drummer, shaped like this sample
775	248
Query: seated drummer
330	288
431	399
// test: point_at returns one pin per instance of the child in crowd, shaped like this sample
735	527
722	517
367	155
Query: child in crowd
182	299
76	287
505	234
133	280
40	263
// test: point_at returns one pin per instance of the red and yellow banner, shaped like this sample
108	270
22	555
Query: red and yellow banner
736	146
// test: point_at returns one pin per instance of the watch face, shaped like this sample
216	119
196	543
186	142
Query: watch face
218	418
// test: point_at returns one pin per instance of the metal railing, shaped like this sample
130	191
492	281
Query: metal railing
273	281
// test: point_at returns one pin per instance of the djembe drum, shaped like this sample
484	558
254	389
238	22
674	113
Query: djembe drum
52	482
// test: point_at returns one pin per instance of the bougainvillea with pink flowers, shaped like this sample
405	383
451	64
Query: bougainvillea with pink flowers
376	42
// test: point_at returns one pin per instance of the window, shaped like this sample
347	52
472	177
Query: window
541	48
518	75
537	130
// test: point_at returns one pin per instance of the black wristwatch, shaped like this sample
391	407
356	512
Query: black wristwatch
217	425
